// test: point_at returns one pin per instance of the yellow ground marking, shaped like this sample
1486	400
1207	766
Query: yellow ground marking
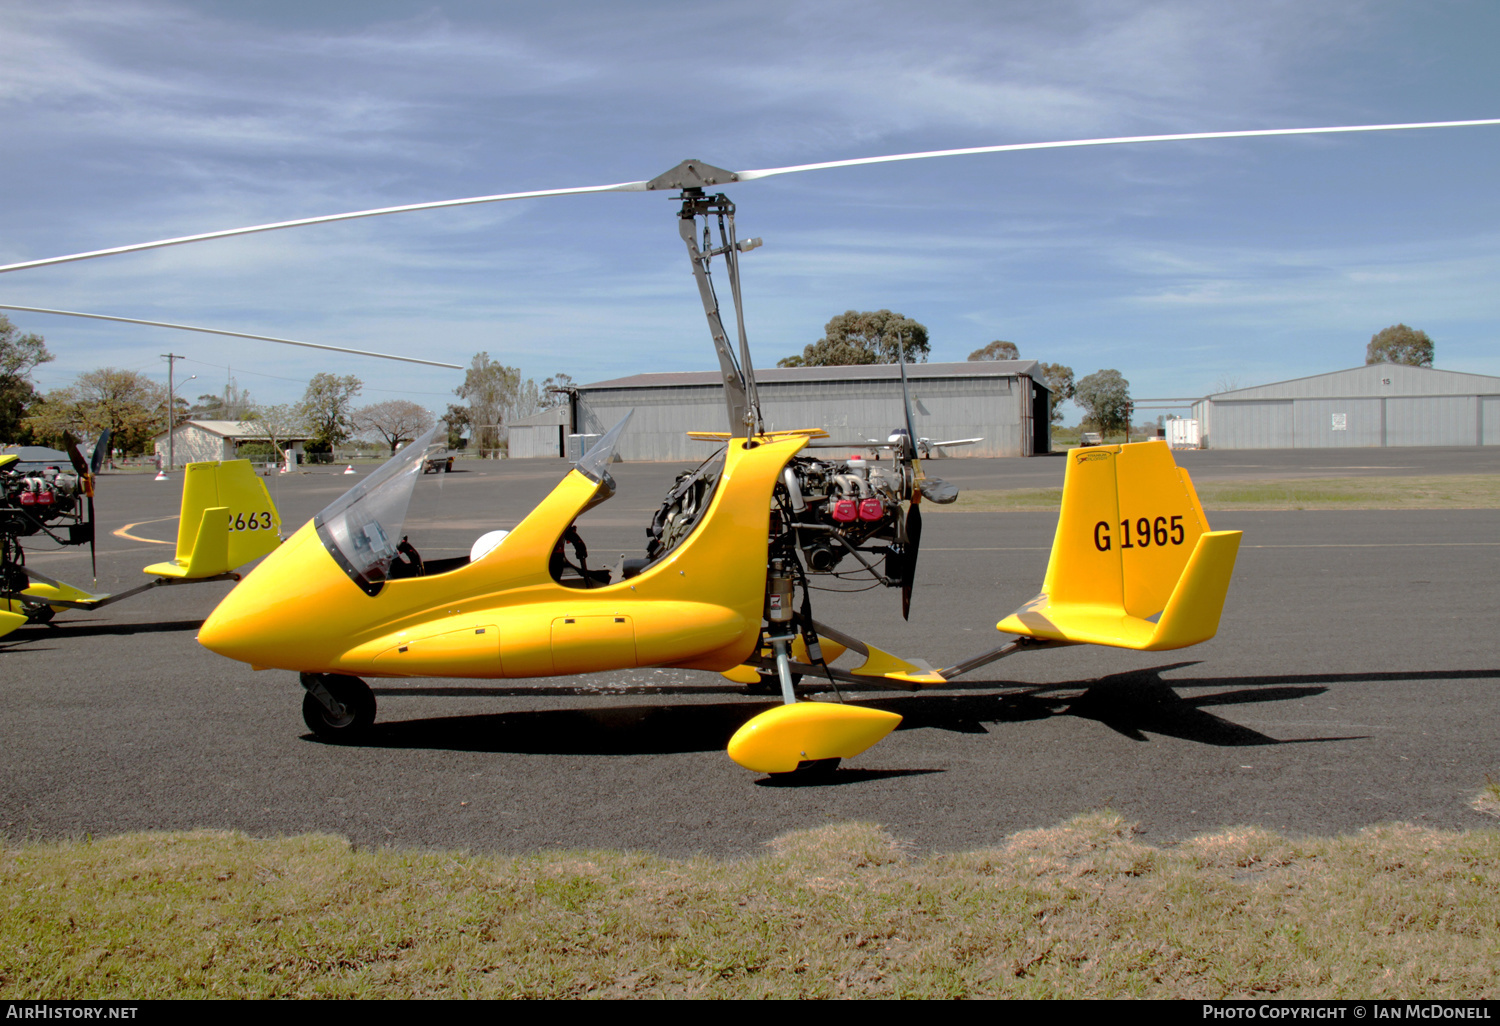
124	532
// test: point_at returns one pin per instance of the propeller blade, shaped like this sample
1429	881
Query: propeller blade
80	465
909	443
101	451
909	563
672	181
93	539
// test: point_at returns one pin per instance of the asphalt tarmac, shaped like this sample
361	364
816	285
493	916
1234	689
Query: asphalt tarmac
1355	680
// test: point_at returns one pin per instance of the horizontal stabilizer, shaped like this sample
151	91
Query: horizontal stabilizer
879	663
1191	615
57	590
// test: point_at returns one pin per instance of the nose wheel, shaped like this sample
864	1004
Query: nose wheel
336	707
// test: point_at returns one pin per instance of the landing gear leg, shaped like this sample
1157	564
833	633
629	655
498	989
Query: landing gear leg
783	649
336	707
807	770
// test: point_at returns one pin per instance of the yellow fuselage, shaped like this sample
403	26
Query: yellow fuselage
700	606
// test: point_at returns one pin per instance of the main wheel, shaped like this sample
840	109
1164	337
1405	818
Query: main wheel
810	772
353	694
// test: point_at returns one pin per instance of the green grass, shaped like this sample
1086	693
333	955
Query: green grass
1488	798
1459	491
1085	909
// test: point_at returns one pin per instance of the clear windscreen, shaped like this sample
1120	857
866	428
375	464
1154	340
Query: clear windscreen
362	527
594	463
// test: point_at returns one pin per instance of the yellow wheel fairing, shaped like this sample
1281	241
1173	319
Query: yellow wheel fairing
777	740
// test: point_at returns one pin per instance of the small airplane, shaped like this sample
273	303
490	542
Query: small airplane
227	519
724	586
925	446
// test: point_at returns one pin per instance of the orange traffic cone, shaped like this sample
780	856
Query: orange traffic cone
349	469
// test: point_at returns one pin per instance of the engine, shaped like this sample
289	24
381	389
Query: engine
841	509
34	498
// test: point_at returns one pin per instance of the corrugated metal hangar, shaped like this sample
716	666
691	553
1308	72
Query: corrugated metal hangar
1378	404
1004	402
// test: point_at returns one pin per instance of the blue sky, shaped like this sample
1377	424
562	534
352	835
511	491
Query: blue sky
1183	265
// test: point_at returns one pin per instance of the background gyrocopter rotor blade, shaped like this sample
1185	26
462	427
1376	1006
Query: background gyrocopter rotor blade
232	334
668	181
749	176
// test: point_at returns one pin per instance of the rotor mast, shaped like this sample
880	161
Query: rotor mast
691	176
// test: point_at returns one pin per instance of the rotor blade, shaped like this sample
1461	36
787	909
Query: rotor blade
746	176
352	215
909	565
231	334
742	176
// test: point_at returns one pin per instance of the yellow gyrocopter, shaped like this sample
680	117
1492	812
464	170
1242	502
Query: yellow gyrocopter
725	583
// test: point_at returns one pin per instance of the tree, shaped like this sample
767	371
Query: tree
1400	344
489	388
394	421
855	337
457	422
791	361
326	408
555	390
129	404
1059	381
996	350
232	404
277	424
19	356
1105	398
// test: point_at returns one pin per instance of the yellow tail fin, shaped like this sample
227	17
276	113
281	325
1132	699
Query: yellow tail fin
227	520
1134	564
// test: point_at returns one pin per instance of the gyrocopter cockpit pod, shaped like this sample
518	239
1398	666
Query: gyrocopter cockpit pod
362	529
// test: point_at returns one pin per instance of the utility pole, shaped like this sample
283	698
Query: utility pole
171	359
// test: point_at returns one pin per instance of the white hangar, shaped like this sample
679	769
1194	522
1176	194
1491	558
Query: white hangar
1378	404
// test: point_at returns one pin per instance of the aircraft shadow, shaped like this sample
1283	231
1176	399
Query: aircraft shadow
1134	704
617	730
85	629
630	730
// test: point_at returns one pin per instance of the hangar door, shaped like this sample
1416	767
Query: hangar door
1336	423
1255	424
